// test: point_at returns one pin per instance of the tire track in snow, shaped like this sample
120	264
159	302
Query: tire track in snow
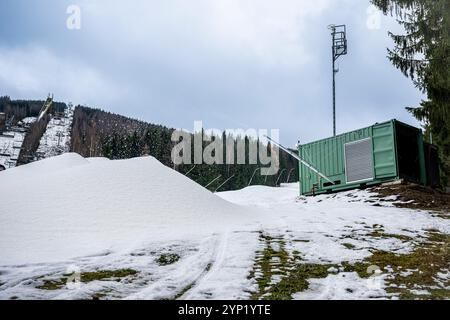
216	263
185	276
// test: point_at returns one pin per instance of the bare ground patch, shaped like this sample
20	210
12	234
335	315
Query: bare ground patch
417	197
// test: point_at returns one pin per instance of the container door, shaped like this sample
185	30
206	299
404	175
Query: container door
385	164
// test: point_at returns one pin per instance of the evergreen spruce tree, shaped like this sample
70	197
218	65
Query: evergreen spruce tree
423	54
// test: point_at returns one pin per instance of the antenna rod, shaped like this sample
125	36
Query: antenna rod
339	48
334	81
306	164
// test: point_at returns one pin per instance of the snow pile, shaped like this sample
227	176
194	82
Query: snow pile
68	206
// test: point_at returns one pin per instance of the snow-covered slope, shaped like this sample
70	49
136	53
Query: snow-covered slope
11	142
56	138
69	213
68	206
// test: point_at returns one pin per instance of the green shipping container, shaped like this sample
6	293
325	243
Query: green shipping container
380	153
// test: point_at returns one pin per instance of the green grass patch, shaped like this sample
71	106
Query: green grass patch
106	274
416	270
167	258
382	234
348	245
297	281
55	284
376	231
413	275
278	262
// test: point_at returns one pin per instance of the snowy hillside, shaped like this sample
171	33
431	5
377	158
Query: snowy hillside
135	229
56	139
11	142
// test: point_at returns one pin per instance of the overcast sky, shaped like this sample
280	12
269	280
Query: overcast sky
230	63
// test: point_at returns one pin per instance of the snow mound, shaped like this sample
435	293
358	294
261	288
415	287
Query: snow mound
263	196
68	206
44	167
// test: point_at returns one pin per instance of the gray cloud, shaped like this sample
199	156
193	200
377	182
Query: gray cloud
238	63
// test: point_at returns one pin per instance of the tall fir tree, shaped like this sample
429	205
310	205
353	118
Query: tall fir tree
423	55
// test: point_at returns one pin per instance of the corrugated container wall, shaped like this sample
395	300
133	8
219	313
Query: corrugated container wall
361	157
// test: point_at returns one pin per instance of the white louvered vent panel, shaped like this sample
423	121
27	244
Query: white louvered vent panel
359	160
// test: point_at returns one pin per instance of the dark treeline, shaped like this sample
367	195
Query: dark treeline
16	110
20	109
156	141
91	127
99	133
